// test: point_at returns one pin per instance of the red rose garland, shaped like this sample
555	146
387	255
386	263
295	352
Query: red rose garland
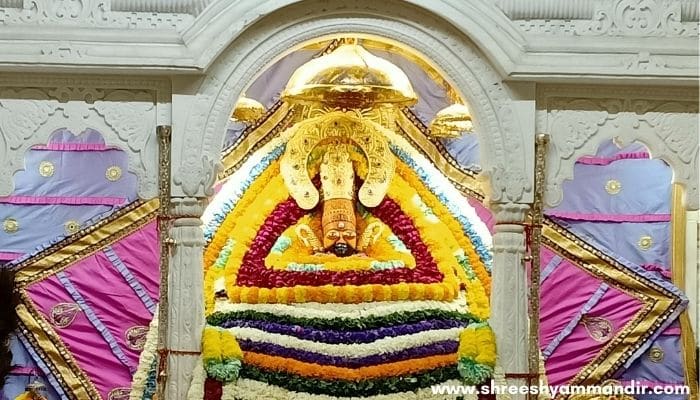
254	273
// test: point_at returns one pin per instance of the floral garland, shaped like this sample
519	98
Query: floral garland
345	324
380	346
197	390
247	279
319	327
143	383
287	212
287	207
343	311
248	389
477	353
465	242
431	349
222	357
329	372
368	387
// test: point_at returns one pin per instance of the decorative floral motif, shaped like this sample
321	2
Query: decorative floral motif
113	173
72	227
598	328
136	337
119	394
645	242
10	225
613	186
656	354
63	314
221	353
46	169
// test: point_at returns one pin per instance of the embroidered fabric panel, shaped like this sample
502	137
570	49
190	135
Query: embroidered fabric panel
83	167
69	184
78	333
619	202
65	185
96	312
41	224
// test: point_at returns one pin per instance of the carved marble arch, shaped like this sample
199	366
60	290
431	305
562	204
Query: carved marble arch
579	119
504	139
30	114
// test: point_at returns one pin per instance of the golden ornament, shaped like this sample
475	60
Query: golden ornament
46	169
72	227
613	186
656	354
247	110
339	126
10	225
645	242
451	122
349	77
113	173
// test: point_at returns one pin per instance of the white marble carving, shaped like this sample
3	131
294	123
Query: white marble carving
185	300
92	13
503	136
509	289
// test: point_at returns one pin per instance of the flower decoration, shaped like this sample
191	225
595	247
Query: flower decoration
221	353
410	312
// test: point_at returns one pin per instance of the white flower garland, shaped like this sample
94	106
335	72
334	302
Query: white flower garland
248	389
342	310
196	391
355	350
148	355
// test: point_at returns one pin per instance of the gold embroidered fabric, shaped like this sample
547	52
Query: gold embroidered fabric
63	314
72	227
656	354
39	330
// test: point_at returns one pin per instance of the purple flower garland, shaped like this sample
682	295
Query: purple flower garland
435	348
338	337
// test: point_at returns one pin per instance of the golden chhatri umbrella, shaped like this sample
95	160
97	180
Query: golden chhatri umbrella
349	77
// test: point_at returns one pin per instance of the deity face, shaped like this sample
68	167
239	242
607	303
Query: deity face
339	230
340	238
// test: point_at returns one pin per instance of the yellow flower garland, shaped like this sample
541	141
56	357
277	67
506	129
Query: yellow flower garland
250	196
443	240
447	218
479	344
219	344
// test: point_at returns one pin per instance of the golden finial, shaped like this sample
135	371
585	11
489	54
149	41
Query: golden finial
247	110
452	122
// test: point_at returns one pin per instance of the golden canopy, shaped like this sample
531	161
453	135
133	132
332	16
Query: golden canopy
349	77
452	121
